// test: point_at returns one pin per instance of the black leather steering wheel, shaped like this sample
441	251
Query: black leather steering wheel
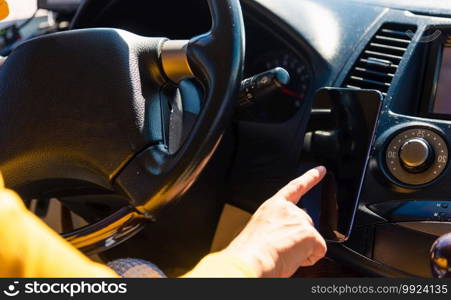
84	107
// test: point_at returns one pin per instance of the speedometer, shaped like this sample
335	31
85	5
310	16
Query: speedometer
281	107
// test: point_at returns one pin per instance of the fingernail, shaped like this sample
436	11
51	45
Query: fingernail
321	169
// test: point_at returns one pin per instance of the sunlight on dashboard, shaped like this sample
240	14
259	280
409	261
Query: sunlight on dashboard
322	21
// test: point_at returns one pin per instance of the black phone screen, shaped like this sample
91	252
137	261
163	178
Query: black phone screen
340	134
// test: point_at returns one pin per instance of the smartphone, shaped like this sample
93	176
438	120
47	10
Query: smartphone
340	135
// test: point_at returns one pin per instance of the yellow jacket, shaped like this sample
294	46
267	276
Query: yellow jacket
29	248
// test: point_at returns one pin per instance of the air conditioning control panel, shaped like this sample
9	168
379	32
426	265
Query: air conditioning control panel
416	156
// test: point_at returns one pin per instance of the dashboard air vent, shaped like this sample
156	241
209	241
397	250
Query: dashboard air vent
378	63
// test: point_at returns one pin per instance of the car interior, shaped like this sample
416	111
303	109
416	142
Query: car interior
126	160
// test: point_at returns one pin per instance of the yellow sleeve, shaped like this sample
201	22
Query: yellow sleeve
220	265
4	9
29	248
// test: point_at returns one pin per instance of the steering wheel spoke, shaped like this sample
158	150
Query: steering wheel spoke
216	59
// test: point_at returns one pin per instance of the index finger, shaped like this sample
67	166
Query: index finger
300	186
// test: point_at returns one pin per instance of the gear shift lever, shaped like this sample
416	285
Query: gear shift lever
441	257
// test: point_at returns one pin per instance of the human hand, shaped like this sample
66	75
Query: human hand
280	237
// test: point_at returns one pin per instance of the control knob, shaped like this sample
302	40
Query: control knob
416	155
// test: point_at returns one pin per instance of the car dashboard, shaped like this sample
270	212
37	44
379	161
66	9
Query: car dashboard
399	49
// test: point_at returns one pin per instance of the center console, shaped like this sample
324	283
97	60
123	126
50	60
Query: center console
405	200
411	155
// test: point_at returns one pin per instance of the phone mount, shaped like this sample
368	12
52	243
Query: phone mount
341	128
339	136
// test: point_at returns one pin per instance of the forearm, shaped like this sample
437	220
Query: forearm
31	249
221	265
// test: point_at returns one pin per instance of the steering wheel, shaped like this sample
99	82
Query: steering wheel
85	108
